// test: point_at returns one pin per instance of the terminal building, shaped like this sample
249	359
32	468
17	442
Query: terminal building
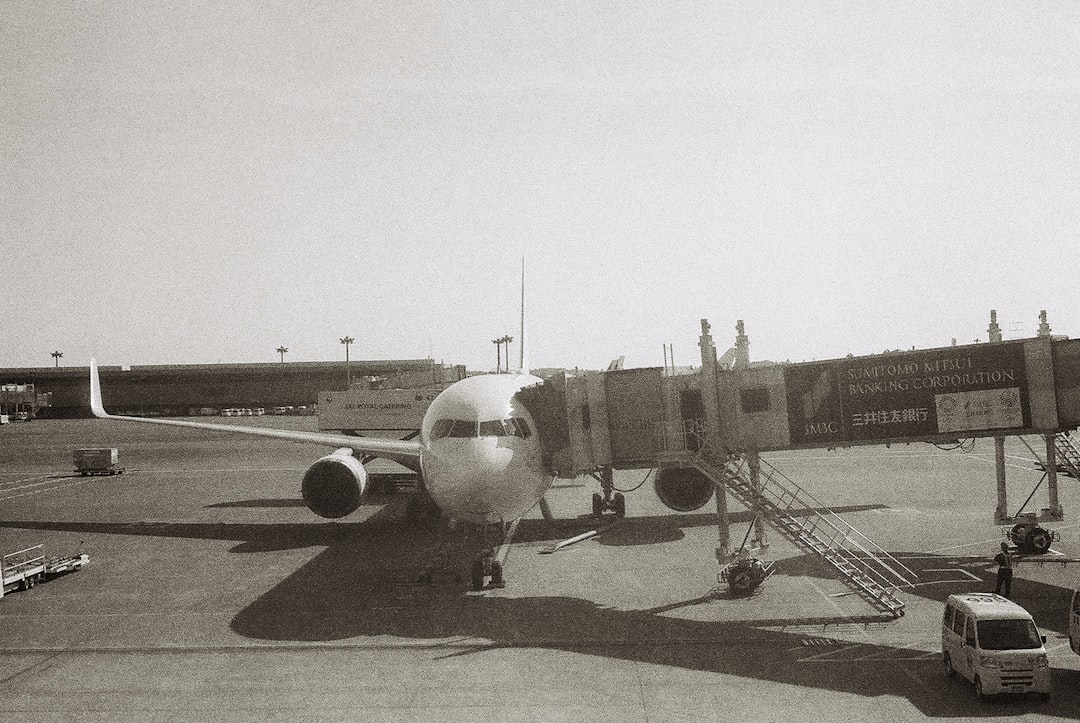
200	389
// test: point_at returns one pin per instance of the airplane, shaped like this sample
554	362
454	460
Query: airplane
478	456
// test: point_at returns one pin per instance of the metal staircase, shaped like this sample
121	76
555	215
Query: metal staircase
1067	453
870	572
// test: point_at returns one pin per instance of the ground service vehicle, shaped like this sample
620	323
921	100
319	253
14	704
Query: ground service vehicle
97	460
994	643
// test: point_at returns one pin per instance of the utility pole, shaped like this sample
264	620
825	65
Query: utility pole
346	340
281	350
56	356
506	340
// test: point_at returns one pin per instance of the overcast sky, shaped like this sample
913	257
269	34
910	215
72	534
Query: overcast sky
198	182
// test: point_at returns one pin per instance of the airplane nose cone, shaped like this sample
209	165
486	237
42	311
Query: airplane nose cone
476	481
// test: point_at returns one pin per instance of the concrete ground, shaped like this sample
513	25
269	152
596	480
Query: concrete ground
214	594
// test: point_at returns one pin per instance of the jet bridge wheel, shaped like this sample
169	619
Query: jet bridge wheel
1038	540
741	580
619	504
497	574
1016	534
478	574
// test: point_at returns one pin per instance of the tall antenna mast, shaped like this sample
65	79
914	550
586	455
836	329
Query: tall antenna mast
521	331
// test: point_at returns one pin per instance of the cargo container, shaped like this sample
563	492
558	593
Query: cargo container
97	460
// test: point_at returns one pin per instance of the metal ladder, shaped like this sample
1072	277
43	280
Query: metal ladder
870	572
1067	453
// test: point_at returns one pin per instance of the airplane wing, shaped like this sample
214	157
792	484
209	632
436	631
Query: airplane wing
404	452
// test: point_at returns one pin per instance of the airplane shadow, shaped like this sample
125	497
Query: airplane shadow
350	591
362	585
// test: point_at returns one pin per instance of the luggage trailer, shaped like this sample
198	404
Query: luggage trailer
23	569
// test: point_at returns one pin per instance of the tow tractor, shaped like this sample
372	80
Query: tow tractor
22	569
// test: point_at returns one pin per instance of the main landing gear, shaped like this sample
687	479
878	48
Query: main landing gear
607	501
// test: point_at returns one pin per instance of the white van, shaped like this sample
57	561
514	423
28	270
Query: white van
1074	621
994	643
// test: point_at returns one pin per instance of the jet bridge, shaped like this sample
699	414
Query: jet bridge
705	431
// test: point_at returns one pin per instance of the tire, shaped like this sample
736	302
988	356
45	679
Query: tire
950	671
1016	535
620	505
1039	541
979	692
477	574
497	574
740	581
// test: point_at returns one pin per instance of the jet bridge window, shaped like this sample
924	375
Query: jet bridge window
755	399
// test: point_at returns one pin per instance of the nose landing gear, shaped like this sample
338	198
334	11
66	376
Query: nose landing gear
490	563
487	566
607	501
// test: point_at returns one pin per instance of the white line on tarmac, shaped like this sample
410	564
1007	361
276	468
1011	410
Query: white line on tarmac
954	569
47	478
830	652
832	601
228	469
81	480
1028	467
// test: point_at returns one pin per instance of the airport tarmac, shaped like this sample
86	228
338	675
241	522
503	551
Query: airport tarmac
214	594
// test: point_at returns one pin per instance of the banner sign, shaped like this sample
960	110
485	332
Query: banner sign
374	408
956	390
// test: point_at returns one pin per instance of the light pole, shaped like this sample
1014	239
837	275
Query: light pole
507	339
346	340
281	350
56	356
498	354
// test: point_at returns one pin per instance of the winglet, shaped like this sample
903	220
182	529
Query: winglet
95	392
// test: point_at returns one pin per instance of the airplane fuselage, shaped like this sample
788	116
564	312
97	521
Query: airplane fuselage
480	454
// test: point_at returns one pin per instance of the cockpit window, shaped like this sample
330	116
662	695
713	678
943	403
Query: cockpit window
520	427
463	428
514	427
441	428
492	429
453	428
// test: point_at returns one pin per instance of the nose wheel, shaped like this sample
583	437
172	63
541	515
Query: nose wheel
609	501
484	567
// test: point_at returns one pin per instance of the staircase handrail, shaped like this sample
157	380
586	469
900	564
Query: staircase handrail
847	534
842	525
1069	453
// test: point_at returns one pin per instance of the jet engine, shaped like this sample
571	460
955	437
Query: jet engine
684	489
334	485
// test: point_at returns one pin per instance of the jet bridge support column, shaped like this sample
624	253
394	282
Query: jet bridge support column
754	462
1002	512
1051	476
712	435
